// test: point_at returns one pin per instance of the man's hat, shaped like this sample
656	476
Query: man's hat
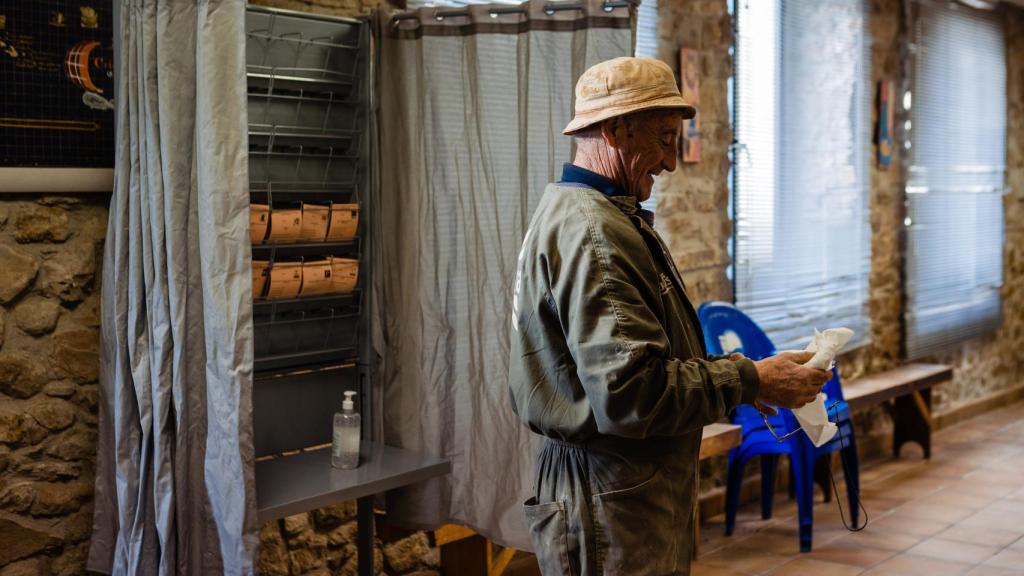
622	86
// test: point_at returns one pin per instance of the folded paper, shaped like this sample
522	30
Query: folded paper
314	222
813	417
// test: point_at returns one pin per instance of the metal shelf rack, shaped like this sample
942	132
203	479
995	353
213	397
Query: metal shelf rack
309	141
308	96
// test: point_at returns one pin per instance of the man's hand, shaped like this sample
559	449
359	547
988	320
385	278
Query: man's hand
786	382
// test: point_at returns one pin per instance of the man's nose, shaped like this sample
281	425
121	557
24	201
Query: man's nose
668	161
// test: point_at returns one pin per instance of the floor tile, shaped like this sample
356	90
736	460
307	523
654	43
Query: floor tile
1008	558
998	520
954	550
804	566
994	571
845	551
701	569
880	540
744	560
950	497
914	565
785	542
980	535
937	512
908	525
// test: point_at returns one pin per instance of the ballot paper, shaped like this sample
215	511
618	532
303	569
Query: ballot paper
813	417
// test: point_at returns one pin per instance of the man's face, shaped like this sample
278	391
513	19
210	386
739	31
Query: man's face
648	147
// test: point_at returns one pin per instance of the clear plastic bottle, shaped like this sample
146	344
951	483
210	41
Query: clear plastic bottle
345	445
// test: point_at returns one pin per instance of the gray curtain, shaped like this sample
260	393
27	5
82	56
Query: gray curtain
174	479
471	113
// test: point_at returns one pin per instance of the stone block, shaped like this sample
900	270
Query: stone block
69	273
42	224
53	499
18	428
305	560
17	271
78	526
406	554
331	516
76	353
297	524
53	414
18	497
51	471
342	535
31	567
60	389
273	559
78	443
37	315
22	538
71	562
20	376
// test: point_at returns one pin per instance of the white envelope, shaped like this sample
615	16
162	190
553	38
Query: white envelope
813	417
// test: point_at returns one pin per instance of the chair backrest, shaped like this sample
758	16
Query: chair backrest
727	329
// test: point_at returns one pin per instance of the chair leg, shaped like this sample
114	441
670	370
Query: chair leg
821	475
791	485
852	474
769	466
803	468
734	483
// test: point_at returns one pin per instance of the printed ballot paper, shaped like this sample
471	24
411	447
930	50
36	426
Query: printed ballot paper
813	417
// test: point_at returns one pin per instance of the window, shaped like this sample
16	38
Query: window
801	109
647	29
954	233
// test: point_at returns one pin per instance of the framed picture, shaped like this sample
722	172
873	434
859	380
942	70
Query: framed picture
689	80
56	95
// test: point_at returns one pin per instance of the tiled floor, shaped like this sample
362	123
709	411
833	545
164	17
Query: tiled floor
962	512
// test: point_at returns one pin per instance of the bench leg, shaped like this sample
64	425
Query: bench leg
912	421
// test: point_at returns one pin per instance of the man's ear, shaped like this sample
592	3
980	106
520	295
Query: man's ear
613	131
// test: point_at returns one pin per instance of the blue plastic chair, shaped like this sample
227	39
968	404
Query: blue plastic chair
727	330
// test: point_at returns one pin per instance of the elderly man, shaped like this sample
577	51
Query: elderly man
608	359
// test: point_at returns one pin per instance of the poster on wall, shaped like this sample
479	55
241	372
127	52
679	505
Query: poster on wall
56	84
885	121
689	79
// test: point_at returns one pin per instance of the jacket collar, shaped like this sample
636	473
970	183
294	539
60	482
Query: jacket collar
573	174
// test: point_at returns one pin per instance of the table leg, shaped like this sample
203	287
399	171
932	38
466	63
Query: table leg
364	536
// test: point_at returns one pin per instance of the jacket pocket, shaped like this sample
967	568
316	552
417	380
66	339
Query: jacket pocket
635	529
550	535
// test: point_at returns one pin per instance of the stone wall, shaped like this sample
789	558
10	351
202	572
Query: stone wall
50	253
322	542
692	202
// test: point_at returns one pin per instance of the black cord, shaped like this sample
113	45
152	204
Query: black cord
846	473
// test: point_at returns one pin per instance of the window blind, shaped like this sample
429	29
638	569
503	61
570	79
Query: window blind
647	29
802	123
955	184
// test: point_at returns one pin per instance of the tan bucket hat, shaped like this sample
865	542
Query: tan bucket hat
623	85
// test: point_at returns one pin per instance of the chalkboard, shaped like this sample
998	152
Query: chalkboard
56	83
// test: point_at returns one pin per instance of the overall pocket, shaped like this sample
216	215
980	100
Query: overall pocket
549	533
635	527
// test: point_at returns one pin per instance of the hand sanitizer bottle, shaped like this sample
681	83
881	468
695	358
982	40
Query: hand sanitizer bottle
345	446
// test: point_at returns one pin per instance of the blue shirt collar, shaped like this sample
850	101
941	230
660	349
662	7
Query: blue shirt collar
573	174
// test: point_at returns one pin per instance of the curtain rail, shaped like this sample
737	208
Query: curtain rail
518	9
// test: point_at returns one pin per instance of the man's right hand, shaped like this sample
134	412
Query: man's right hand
786	382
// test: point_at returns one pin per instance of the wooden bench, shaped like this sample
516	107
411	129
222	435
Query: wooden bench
909	389
717	439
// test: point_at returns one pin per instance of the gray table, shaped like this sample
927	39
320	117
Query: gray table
306	481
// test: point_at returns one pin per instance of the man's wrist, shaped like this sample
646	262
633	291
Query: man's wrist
749	380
